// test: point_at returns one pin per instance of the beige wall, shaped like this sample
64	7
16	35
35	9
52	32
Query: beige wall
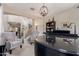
40	23
18	19
70	15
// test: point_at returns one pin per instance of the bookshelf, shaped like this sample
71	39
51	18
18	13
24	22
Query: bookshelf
50	26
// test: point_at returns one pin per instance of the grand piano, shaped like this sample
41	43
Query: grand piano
61	33
64	44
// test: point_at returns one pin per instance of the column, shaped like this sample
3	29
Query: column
1	25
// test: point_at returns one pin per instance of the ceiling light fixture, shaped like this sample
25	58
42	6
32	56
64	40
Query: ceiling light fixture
44	10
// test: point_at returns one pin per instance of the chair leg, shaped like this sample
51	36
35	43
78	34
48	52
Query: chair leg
20	46
10	51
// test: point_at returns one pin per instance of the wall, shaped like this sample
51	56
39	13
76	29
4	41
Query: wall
71	15
40	23
6	25
18	19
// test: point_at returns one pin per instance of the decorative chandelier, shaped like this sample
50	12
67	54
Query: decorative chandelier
44	10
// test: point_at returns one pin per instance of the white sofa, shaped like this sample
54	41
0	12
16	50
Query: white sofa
12	41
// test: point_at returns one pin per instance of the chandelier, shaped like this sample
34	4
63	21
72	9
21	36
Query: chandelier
44	10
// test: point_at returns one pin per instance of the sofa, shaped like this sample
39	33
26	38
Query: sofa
12	41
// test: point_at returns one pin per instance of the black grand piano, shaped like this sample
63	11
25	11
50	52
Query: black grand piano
62	33
64	44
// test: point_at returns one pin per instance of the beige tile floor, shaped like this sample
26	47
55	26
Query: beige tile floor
27	50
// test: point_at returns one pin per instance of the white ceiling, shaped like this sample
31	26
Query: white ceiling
24	8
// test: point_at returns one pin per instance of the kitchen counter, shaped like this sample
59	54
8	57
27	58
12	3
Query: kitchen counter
60	46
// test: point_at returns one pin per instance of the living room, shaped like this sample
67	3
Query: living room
25	24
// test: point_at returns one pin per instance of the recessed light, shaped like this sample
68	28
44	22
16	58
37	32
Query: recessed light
0	4
77	6
32	9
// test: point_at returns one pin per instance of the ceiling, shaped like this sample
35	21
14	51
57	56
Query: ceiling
14	24
32	9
